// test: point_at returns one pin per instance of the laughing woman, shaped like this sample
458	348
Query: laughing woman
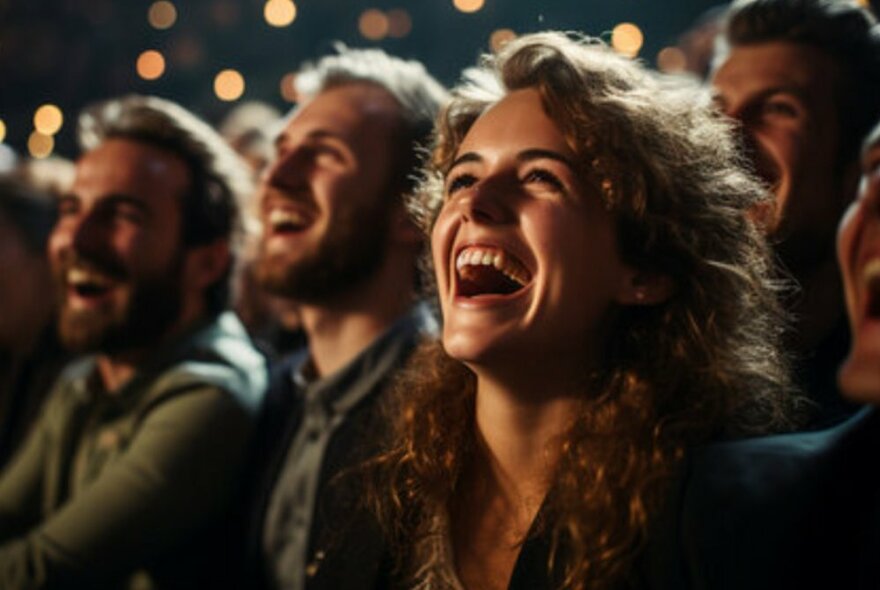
606	307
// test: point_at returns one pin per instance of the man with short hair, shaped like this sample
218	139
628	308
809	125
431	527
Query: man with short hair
136	454
802	77
803	510
338	241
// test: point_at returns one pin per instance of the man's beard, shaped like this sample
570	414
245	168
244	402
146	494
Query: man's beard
350	252
152	305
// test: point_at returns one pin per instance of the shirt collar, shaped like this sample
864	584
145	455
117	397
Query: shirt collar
340	392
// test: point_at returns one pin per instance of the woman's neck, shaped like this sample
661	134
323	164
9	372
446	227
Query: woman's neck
518	443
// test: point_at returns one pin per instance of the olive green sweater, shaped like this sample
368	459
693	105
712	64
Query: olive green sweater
124	490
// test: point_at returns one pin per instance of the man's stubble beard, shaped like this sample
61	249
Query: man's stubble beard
349	253
152	305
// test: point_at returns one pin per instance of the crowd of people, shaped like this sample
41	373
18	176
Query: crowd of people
571	324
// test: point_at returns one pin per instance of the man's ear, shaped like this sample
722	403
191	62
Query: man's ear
644	288
205	265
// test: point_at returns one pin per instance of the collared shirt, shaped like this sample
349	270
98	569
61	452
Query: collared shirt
326	404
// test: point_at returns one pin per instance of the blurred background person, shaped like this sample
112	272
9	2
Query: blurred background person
53	175
802	78
30	354
250	128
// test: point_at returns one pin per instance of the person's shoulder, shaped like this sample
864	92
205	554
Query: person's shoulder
770	461
222	357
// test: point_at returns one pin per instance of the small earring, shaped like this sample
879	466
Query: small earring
640	295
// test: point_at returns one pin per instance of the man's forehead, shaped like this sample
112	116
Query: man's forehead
120	161
773	62
342	108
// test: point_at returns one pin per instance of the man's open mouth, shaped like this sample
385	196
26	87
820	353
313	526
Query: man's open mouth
286	221
88	284
488	270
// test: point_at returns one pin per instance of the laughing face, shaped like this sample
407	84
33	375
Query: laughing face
524	251
859	257
116	249
783	95
325	202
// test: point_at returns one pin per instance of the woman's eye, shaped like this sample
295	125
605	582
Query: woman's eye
459	182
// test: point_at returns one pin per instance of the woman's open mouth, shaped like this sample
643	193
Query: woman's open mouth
489	270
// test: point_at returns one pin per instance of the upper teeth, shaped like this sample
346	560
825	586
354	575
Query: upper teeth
507	264
79	276
278	217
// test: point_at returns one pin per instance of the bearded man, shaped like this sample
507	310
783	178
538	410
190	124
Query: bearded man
338	243
135	457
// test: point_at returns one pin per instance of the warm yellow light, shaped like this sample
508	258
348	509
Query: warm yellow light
229	85
373	24
162	15
2	131
501	37
279	13
40	145
671	60
48	119
399	23
288	88
627	38
468	5
865	3
150	64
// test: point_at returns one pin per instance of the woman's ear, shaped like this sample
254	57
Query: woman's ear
645	288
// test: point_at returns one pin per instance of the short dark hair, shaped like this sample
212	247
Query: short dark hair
219	179
843	30
29	210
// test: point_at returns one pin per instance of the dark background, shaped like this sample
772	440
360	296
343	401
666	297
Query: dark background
72	52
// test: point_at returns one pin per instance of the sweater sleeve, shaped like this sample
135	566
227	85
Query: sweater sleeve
21	485
177	475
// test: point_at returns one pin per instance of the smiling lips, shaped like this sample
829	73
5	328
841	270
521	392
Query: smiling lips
489	270
283	220
88	285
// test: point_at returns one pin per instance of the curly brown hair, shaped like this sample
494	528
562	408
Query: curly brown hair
702	365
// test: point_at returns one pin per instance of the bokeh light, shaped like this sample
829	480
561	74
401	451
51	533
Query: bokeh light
40	145
399	23
2	130
671	60
229	85
162	15
373	24
279	13
48	119
627	38
468	5
150	64
501	37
